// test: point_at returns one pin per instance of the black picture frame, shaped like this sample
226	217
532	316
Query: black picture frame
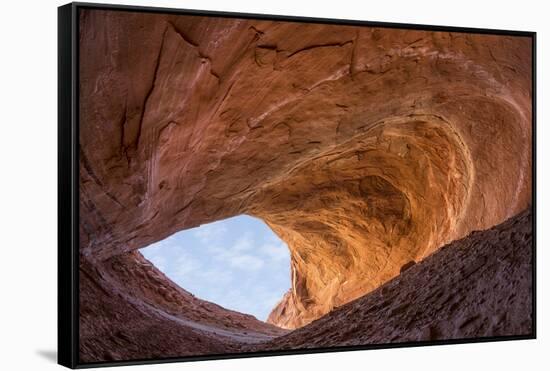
68	180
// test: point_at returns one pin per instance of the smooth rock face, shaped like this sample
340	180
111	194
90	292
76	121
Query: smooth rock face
363	148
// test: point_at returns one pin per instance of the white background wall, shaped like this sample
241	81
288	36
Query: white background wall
28	152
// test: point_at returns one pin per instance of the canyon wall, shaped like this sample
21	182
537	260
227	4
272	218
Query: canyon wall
365	149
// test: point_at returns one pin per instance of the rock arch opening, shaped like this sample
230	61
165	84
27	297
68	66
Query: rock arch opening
238	263
353	215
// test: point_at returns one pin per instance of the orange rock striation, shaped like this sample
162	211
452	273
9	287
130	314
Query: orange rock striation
477	287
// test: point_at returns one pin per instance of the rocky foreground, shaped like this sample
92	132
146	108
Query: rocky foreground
133	311
475	287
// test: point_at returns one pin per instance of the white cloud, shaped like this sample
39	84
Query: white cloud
235	300
272	238
216	276
158	261
246	262
186	266
237	254
243	243
210	232
276	251
267	304
272	301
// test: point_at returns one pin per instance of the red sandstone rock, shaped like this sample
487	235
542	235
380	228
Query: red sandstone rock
363	148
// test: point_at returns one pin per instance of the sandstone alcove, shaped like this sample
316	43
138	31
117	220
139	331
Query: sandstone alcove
238	263
364	149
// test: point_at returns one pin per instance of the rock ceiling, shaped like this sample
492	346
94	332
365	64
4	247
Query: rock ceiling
363	148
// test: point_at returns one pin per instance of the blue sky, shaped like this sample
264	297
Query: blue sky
238	263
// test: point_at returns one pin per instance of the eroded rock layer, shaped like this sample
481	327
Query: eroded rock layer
364	149
480	286
475	287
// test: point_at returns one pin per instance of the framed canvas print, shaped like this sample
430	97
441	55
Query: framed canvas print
237	185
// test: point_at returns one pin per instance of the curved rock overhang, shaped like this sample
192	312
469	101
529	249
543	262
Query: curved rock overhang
363	148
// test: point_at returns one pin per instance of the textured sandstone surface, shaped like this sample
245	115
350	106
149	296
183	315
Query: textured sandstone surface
365	149
480	286
475	287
